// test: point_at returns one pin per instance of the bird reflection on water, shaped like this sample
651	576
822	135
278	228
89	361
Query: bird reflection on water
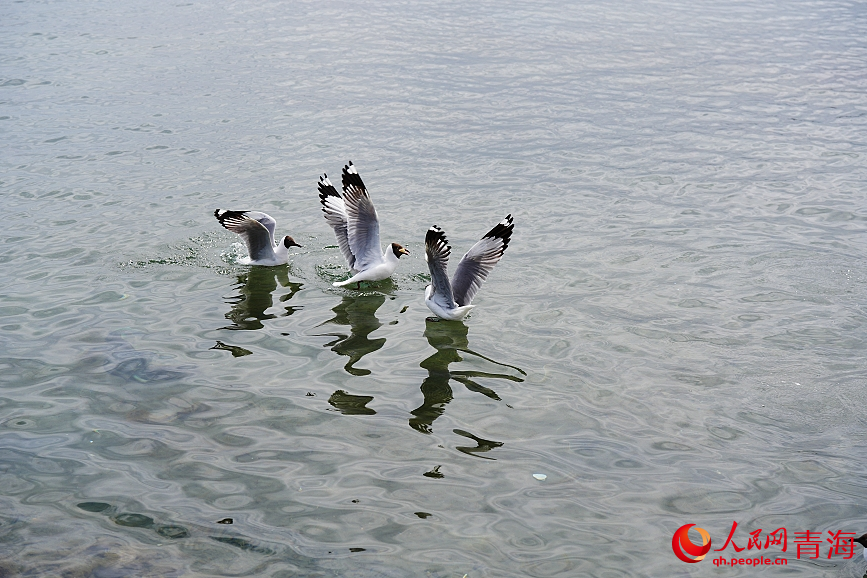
449	338
349	404
358	312
255	297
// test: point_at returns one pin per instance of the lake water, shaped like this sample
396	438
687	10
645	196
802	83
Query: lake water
676	334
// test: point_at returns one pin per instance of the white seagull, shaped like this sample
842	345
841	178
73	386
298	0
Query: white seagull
354	220
451	300
257	230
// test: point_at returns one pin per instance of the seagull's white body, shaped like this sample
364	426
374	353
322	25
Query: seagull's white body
257	230
378	272
356	225
444	311
451	300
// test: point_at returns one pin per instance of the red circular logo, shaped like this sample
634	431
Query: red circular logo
684	548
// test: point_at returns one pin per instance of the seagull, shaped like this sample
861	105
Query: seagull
257	229
863	541
354	220
451	300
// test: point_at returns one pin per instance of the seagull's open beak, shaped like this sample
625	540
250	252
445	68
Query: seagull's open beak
404	251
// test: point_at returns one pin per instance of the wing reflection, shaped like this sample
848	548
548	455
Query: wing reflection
351	404
255	297
359	313
233	349
449	338
482	445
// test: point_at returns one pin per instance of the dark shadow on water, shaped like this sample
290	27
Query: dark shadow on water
449	338
133	365
482	445
351	404
255	297
140	370
233	349
358	312
174	531
243	544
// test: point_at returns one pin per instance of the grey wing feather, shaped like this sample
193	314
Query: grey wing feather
478	262
267	221
335	213
363	226
436	253
257	230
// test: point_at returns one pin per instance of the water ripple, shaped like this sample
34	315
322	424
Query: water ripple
673	336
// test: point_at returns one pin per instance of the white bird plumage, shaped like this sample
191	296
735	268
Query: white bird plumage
451	299
356	225
257	230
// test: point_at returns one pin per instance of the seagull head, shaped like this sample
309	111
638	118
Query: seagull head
289	242
398	250
862	540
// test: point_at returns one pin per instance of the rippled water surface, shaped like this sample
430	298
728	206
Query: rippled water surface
675	335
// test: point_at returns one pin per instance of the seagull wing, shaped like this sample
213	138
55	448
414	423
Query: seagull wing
477	263
257	230
363	227
436	253
335	213
267	221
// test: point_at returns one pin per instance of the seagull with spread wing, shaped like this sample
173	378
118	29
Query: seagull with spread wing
257	230
356	225
451	299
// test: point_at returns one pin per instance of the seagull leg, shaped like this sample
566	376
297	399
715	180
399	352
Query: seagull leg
358	285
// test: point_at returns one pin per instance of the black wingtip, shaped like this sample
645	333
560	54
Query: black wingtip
351	178
326	189
229	219
224	214
434	232
503	230
436	239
